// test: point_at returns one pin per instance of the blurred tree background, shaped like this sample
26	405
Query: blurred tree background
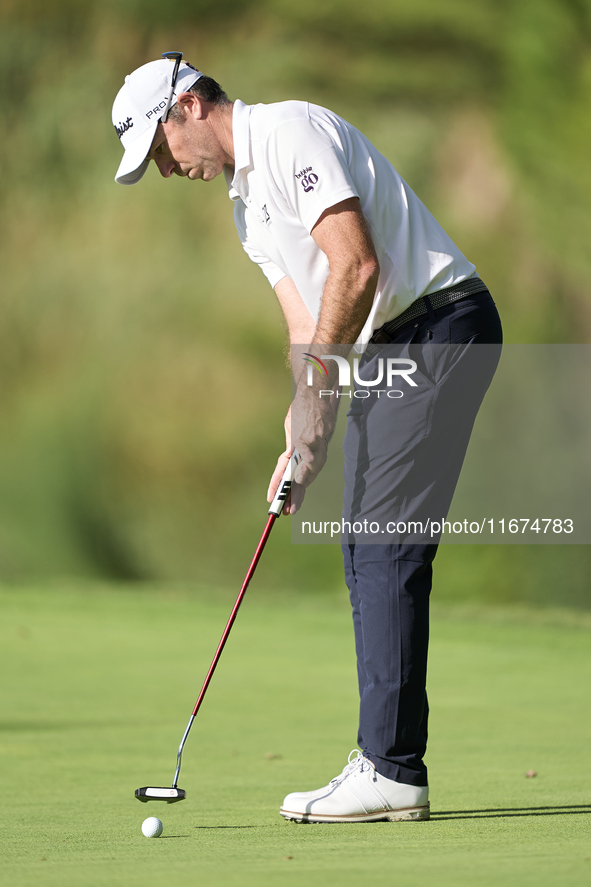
142	355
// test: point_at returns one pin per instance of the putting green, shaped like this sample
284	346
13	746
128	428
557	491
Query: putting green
98	684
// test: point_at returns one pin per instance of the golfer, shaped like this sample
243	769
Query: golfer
355	259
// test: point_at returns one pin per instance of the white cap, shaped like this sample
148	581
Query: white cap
138	108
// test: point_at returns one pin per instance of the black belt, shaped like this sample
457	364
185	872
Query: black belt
425	305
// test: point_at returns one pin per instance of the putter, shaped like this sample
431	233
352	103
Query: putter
172	793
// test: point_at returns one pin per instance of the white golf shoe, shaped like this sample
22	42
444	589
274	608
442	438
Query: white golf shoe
359	794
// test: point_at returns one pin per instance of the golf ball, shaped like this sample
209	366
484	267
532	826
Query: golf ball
152	827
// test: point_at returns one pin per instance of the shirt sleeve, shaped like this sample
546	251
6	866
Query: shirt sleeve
309	169
272	272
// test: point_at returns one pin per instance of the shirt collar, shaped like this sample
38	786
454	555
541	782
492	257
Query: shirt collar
236	180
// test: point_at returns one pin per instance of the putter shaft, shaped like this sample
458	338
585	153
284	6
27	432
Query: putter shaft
275	510
262	542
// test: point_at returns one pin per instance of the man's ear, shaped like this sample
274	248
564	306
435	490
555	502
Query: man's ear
190	105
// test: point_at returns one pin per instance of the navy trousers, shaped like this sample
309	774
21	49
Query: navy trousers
402	460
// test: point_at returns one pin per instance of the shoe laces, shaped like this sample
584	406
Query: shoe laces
357	763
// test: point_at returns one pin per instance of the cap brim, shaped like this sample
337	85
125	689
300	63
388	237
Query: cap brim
134	163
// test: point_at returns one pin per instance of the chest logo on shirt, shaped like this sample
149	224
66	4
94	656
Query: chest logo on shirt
265	212
307	178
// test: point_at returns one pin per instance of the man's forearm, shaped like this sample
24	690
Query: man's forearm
342	233
346	302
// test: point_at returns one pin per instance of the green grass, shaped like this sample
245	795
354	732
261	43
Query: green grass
99	683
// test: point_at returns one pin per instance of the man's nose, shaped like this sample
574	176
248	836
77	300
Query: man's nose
165	167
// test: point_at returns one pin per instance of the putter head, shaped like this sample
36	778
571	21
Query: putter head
159	793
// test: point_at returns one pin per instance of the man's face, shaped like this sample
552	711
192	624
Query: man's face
188	148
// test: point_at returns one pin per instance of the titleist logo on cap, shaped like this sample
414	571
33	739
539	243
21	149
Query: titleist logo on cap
123	127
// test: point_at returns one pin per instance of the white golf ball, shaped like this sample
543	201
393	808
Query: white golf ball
152	827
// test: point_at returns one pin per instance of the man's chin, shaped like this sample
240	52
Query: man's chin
206	175
209	174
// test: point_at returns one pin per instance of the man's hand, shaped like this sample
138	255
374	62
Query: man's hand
282	462
313	451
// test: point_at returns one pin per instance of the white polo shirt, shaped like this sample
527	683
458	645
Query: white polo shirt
293	161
